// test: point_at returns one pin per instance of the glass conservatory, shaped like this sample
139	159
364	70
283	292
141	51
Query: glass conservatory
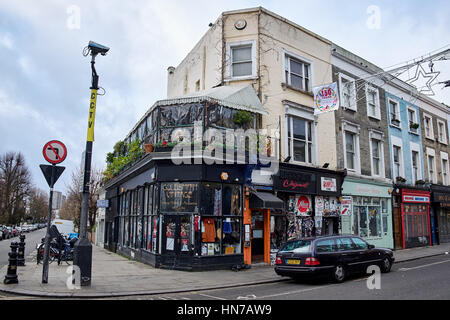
186	216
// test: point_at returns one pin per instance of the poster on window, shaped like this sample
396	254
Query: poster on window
326	98
346	205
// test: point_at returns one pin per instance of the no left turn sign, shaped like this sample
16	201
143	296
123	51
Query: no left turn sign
54	151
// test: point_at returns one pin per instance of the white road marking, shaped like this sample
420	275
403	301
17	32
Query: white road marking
247	297
292	292
213	297
423	266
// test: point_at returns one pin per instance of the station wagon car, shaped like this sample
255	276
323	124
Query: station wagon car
337	256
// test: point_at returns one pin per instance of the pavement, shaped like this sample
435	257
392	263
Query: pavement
116	276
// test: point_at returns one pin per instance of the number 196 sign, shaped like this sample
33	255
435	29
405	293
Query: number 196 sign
326	98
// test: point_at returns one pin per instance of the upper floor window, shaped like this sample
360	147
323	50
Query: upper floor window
300	139
297	73
350	150
397	155
415	166
413	124
442	134
444	171
241	59
373	103
347	92
431	169
428	126
376	157
394	113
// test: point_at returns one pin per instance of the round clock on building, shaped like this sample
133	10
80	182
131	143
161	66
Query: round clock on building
240	24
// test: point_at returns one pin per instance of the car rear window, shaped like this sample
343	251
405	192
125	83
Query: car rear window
297	246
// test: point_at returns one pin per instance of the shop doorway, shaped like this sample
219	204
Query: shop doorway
330	226
257	237
177	239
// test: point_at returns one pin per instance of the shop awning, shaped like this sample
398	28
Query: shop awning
265	200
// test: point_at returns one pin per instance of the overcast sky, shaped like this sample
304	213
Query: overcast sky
45	80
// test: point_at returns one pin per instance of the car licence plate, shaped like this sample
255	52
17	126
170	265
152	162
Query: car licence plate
292	261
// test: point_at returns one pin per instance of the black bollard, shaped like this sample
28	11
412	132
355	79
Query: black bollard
11	276
21	254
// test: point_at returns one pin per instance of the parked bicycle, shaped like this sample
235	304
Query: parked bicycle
61	248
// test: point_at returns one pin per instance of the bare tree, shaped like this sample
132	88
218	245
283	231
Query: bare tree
15	186
71	209
38	205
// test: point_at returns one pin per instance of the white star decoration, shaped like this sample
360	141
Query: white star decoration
422	75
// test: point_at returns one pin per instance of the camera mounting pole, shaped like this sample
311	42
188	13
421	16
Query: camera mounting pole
83	248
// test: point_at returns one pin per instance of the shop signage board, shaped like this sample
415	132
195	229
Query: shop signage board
441	197
328	184
326	98
102	203
416	199
295	182
346	205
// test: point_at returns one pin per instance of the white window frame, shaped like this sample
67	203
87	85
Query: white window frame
398	113
286	55
397	142
379	136
444	134
409	108
431	153
228	60
354	129
353	103
416	148
306	114
431	135
377	102
445	179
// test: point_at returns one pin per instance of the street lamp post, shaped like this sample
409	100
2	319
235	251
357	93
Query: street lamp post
83	248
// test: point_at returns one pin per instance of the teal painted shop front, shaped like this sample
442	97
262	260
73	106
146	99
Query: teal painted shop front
367	211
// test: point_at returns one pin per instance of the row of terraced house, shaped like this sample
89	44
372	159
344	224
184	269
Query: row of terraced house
378	167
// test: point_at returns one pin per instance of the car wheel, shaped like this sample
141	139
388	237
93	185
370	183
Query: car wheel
386	265
339	273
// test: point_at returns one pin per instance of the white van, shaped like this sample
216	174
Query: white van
65	227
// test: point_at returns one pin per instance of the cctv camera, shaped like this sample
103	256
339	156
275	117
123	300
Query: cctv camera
97	48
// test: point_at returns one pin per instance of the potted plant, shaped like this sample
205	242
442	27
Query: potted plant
242	117
414	126
400	180
148	148
420	183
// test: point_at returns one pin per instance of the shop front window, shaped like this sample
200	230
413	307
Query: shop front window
370	217
221	207
231	239
210	241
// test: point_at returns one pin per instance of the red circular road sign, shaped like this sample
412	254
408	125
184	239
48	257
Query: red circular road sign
54	151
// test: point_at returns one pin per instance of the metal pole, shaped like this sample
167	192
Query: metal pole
47	235
83	247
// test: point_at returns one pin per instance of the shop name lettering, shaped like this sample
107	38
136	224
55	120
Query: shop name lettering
240	309
294	185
